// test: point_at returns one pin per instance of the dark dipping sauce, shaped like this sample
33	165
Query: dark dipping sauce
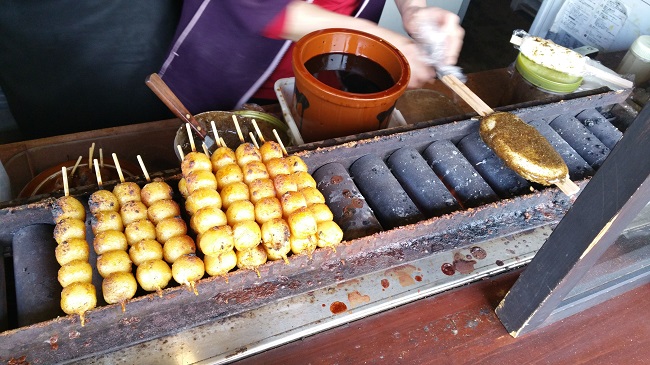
349	72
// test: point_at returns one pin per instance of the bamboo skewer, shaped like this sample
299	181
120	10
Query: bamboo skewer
205	148
250	134
101	158
239	133
64	174
284	150
74	168
118	168
90	156
144	169
257	130
180	151
467	95
190	136
217	139
98	174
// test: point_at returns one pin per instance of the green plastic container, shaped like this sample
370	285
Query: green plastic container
531	82
546	78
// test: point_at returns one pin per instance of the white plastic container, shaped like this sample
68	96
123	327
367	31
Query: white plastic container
637	60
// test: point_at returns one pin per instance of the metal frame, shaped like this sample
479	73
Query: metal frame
611	200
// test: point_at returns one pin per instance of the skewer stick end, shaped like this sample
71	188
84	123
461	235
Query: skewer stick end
284	150
258	131
144	169
216	133
567	186
180	151
117	167
253	139
98	173
64	174
74	168
190	136
239	133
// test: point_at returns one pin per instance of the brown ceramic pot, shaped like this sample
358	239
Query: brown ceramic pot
322	111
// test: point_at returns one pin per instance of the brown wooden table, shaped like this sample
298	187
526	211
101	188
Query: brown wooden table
460	327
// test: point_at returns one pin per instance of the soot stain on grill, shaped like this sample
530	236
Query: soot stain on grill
338	307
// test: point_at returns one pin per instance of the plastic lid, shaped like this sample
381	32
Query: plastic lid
641	47
546	78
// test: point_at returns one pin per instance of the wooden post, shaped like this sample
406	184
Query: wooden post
609	202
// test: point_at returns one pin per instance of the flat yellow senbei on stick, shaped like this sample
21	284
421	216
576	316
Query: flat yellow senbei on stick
518	144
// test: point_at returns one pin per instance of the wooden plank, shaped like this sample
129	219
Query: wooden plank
609	202
460	327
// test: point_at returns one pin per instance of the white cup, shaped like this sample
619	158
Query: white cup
637	60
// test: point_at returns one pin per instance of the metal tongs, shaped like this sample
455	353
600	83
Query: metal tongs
432	42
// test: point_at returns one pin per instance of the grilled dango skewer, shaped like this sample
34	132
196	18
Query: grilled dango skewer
72	249
153	275
275	239
206	218
178	246
229	174
216	240
170	227
145	250
162	209
113	261
154	191
252	259
202	198
103	201
68	207
195	161
187	270
119	287
221	264
69	228
525	150
110	240
132	211
75	271
78	298
139	230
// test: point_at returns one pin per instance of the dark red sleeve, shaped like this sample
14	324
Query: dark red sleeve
275	27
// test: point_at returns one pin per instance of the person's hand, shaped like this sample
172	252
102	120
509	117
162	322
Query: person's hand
421	71
445	21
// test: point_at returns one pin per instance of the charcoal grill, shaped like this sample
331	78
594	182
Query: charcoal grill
483	220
